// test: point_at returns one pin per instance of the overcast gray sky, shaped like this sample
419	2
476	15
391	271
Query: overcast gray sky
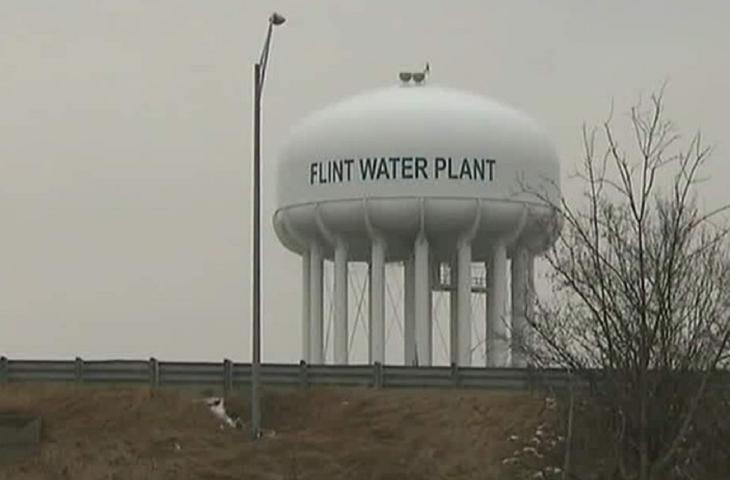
125	140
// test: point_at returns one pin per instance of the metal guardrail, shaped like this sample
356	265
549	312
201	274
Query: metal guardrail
229	375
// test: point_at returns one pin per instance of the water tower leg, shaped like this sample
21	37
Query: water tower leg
530	295
422	302
306	295
315	304
377	302
340	294
453	312
519	274
496	335
409	314
429	323
464	304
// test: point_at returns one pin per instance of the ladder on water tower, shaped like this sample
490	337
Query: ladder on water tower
444	281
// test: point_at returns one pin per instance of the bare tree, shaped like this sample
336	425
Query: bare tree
640	278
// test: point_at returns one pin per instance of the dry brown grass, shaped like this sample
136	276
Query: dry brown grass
131	433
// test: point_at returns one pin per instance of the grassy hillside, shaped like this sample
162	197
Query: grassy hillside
123	433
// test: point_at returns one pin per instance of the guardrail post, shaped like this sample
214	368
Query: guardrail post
227	377
3	370
455	375
530	379
303	380
378	375
79	370
154	373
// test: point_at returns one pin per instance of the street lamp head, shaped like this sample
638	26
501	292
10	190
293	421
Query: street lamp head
276	19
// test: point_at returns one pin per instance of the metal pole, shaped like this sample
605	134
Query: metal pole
256	327
259	71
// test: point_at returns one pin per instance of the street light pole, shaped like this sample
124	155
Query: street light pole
259	74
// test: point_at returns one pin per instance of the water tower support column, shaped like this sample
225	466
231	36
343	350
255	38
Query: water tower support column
530	295
463	258
306	295
464	303
340	295
520	271
496	334
422	302
453	313
315	304
377	301
409	314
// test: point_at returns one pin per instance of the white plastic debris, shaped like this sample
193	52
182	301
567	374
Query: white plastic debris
533	451
216	406
218	409
513	438
509	460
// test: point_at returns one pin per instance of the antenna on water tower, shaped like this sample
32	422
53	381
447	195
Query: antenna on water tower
417	77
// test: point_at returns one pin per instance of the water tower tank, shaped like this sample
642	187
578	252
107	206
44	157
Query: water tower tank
421	175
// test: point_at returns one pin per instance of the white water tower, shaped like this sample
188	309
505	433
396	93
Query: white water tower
421	175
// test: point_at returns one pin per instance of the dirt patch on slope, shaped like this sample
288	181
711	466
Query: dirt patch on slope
135	433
